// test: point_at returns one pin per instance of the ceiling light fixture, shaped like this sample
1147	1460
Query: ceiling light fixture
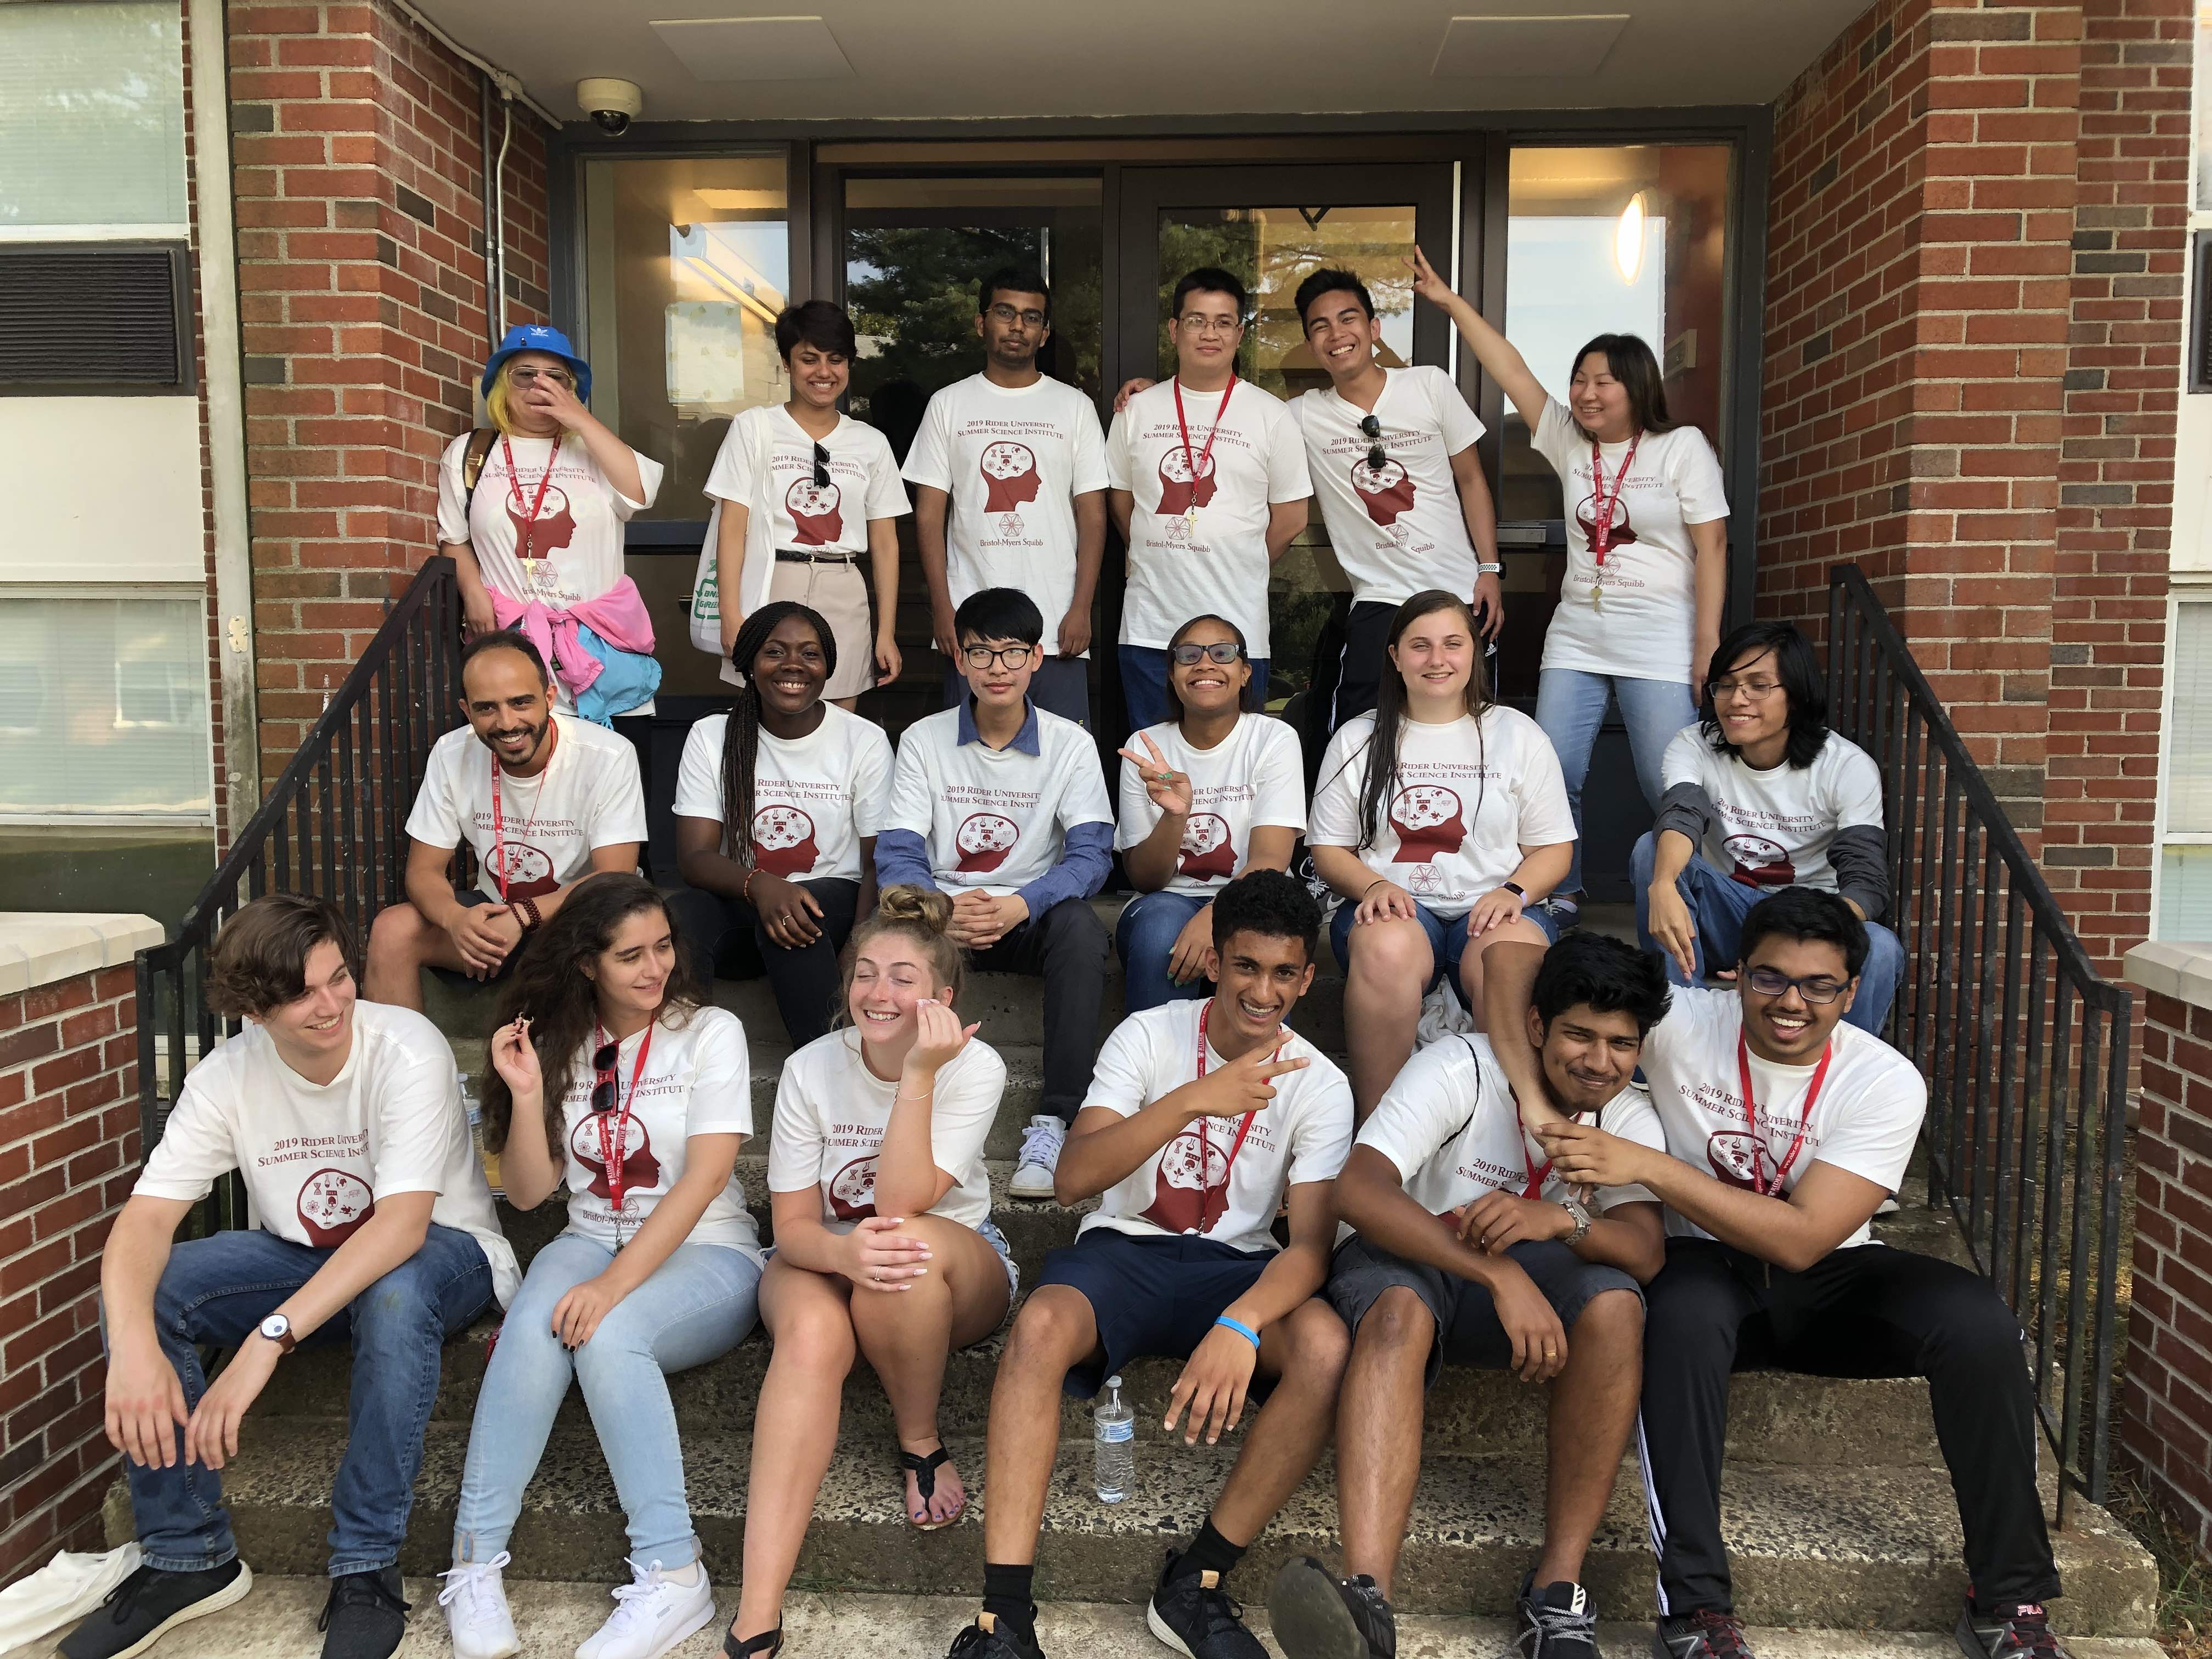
1628	239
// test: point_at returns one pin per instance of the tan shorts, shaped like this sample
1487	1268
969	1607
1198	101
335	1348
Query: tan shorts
839	592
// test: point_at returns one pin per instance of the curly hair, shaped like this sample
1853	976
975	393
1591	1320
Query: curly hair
1269	902
550	985
259	959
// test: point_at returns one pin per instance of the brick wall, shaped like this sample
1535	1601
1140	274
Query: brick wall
1973	328
2165	1401
68	1154
358	147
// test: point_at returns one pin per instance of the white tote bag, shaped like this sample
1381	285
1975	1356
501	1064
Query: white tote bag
760	553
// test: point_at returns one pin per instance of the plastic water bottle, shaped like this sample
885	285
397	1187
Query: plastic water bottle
472	1106
1115	1438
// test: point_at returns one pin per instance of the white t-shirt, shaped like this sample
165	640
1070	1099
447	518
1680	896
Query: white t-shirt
831	1112
1179	569
318	1158
588	796
1449	1124
994	819
1865	1120
697	1081
815	799
1012	460
1772	829
576	539
806	517
1202	1182
1252	777
1642	628
1470	796
1399	531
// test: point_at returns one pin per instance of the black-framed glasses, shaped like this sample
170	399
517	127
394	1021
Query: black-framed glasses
981	657
1005	316
821	467
1224	651
1816	988
1370	428
605	1093
528	377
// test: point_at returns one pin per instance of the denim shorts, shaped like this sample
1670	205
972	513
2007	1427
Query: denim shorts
1148	1295
1447	939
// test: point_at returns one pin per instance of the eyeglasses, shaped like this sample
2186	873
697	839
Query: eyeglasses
530	377
984	656
1195	324
1224	651
1370	426
1773	982
605	1092
1006	317
1758	690
821	467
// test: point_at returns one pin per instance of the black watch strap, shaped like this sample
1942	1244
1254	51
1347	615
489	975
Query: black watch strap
1514	888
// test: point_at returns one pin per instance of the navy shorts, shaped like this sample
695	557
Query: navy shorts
1149	1294
470	897
1467	1329
1447	939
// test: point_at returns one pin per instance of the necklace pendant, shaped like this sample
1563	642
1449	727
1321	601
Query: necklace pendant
1597	595
1190	515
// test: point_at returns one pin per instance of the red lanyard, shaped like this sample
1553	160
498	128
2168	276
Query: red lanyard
514	483
1197	463
1205	1129
614	1138
1602	504
499	817
1773	1188
1536	1177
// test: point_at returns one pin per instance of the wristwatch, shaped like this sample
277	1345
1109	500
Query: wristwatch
1579	1214
1515	889
278	1329
1498	569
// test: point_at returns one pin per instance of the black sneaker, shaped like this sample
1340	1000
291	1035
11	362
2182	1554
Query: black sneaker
1556	1622
1192	1615
1317	1615
987	1639
150	1602
2021	1632
1704	1634
364	1617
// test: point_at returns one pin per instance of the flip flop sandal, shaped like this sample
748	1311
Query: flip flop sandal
923	1466
766	1645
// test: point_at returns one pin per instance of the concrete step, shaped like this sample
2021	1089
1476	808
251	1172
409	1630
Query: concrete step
277	1621
1808	1549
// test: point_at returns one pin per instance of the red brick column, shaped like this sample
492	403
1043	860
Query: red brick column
68	1155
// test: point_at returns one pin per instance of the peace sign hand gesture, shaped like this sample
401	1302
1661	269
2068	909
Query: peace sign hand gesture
1247	1083
1171	790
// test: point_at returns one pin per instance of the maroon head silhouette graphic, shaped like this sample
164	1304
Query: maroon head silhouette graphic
1179	490
1760	862
1623	531
1208	853
332	1205
813	509
1010	476
1384	491
555	526
853	1190
1191	1192
984	841
641	1169
1738	1157
783	842
528	872
1428	822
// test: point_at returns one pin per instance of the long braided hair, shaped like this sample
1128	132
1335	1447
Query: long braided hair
1381	785
741	736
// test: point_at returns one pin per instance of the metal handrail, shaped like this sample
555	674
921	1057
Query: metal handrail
333	824
2024	1044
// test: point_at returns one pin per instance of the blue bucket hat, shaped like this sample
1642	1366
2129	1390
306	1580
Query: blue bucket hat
536	336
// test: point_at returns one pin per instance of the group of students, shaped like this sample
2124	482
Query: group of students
1261	1215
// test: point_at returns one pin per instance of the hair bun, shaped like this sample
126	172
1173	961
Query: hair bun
916	907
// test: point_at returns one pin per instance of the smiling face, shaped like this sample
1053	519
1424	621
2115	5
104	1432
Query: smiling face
1260	978
891	972
790	669
818	378
509	707
1787	1029
1436	656
316	1026
1600	402
1588	1057
1206	687
1207	334
1753	707
1341	334
632	973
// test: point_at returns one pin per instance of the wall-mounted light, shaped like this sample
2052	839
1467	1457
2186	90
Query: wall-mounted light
1628	239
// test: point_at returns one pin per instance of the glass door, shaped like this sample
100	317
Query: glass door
1271	227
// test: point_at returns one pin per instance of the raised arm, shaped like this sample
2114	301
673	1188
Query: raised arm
1500	359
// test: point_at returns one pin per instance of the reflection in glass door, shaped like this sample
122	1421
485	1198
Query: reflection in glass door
1272	227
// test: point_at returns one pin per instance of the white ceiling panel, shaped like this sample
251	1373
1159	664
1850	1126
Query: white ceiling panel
754	48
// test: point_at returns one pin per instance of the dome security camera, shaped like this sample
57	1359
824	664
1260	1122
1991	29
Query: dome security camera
610	103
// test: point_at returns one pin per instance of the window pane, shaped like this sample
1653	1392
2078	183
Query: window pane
2184	895
687	262
104	707
92	116
2189	734
1629	238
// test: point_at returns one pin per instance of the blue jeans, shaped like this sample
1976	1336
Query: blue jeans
1570	707
697	1306
1718	903
1144	685
1151	923
215	1290
1447	939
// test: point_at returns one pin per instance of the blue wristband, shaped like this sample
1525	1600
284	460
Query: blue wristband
1241	1328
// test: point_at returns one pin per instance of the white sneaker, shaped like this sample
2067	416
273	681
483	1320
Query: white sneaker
652	1614
1041	1144
475	1601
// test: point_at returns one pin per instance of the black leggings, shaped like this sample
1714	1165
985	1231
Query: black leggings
721	937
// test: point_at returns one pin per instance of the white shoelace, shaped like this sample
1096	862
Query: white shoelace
1041	1143
474	1585
633	1601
